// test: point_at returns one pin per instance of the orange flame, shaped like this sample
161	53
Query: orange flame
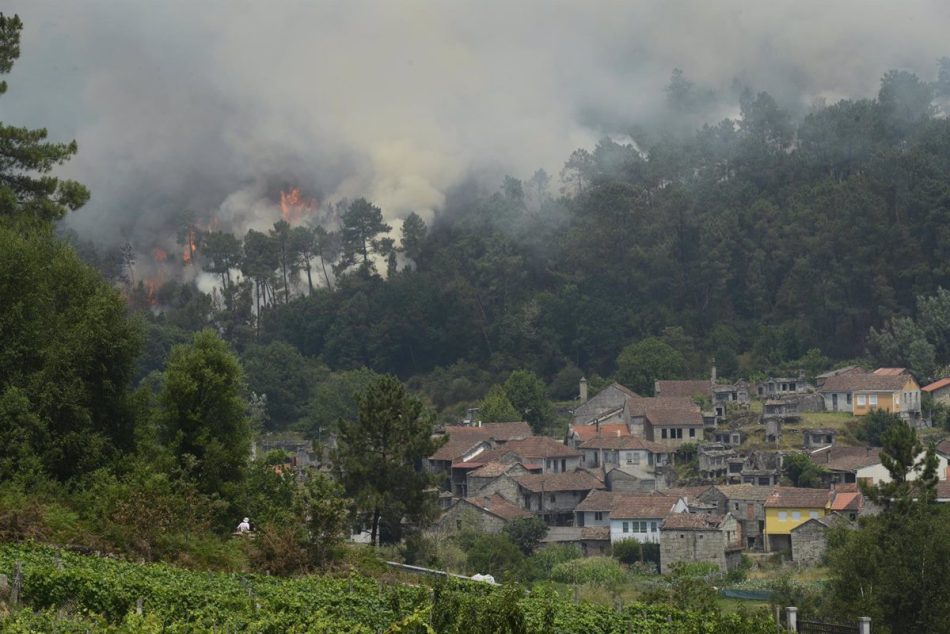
151	289
159	254
293	206
190	247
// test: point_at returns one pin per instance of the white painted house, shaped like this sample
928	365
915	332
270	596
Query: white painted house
639	517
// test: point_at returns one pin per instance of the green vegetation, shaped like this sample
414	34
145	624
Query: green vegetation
66	592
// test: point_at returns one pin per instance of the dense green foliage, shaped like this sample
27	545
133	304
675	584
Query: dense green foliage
379	456
104	593
802	471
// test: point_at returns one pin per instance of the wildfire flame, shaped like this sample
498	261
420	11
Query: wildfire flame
151	288
190	247
159	254
293	206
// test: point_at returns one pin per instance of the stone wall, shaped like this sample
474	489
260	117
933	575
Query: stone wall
502	485
691	546
809	543
464	516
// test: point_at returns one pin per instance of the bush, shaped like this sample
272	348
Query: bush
538	567
603	571
526	533
490	554
631	551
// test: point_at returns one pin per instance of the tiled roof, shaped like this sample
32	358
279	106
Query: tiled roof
642	507
846	458
796	497
498	506
675	417
936	385
492	469
684	388
456	447
541	447
624	442
692	522
745	492
890	371
863	381
943	489
943	447
598	533
463	437
598	501
639	406
688	493
586	432
626	390
847	501
577	481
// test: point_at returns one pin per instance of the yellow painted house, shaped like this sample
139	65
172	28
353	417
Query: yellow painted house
788	507
859	392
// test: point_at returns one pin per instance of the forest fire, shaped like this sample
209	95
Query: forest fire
191	246
159	254
151	290
293	206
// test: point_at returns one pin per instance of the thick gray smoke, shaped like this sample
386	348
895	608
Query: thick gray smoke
217	106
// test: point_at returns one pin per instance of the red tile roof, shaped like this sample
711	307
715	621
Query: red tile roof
847	501
586	432
864	381
684	388
795	497
638	406
540	447
846	458
890	371
745	492
625	442
492	469
498	506
576	481
462	438
675	417
936	385
456	447
690	494
642	507
943	447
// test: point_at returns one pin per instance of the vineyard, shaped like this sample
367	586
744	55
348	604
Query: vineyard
65	592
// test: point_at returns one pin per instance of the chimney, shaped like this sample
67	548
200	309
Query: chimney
487	502
583	388
712	374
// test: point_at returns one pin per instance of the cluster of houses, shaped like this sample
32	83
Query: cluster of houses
612	478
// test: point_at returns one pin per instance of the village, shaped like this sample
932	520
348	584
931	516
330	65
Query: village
699	468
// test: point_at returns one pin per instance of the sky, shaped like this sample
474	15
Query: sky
217	106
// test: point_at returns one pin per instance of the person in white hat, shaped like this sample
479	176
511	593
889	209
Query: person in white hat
244	526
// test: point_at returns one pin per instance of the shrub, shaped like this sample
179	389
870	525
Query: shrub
630	551
538	566
603	571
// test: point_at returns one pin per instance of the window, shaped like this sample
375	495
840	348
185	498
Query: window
735	506
663	433
633	457
861	400
626	527
796	515
849	398
598	516
692	432
782	516
563	465
813	514
872	400
553	499
653	527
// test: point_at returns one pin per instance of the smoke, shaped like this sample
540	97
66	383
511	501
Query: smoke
215	106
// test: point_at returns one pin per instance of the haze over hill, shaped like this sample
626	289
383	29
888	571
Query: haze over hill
221	105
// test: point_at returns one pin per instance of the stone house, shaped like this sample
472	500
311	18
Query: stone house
817	438
579	434
592	540
553	456
746	503
464	444
627	479
486	514
638	454
603	407
809	540
553	497
594	510
489	473
939	390
673	427
782	386
691	389
714	539
728	437
713	461
639	517
635	410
